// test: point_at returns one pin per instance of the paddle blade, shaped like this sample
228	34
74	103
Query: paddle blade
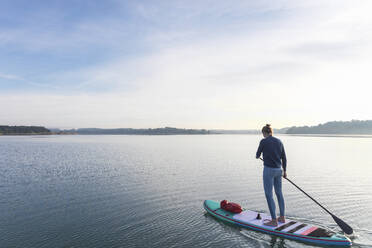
345	227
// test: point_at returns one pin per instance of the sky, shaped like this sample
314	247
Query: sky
188	64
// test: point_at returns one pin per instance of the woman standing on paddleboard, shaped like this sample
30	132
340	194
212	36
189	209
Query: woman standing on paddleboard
274	160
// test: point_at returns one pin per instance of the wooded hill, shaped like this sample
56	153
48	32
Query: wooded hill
4	130
335	127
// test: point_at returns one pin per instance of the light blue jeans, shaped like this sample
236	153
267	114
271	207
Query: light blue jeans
272	177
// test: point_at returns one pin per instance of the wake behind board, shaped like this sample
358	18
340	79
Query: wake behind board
291	229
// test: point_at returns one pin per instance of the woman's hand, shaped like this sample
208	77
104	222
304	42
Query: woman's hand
285	174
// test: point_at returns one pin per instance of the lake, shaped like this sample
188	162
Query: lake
148	191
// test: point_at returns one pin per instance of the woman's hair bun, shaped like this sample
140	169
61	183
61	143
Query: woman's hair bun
267	129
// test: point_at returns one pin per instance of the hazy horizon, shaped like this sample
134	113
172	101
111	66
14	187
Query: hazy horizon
210	129
204	65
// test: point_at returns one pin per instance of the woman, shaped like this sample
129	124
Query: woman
274	160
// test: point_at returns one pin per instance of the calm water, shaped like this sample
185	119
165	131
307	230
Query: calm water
148	191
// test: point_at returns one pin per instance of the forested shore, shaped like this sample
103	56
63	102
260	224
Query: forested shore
335	127
23	130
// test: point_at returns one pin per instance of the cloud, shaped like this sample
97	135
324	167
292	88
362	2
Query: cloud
10	76
227	66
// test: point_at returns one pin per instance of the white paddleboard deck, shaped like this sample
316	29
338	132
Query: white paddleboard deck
289	226
291	229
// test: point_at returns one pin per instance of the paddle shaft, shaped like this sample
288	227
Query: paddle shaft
306	194
309	196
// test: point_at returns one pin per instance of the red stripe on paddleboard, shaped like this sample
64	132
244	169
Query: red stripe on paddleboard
306	232
282	233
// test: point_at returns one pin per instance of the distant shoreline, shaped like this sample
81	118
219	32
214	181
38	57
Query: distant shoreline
354	128
23	130
24	134
367	136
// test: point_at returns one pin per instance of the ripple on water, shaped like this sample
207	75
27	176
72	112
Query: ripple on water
126	191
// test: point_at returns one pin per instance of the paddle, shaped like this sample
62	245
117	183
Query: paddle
345	227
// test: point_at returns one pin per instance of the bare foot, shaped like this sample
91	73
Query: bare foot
281	219
271	223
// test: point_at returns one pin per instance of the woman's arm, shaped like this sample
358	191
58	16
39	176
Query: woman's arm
259	150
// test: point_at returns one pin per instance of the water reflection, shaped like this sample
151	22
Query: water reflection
277	242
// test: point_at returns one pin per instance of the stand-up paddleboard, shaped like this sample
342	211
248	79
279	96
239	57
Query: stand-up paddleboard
291	229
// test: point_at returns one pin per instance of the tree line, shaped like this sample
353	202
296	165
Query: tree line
23	130
335	127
